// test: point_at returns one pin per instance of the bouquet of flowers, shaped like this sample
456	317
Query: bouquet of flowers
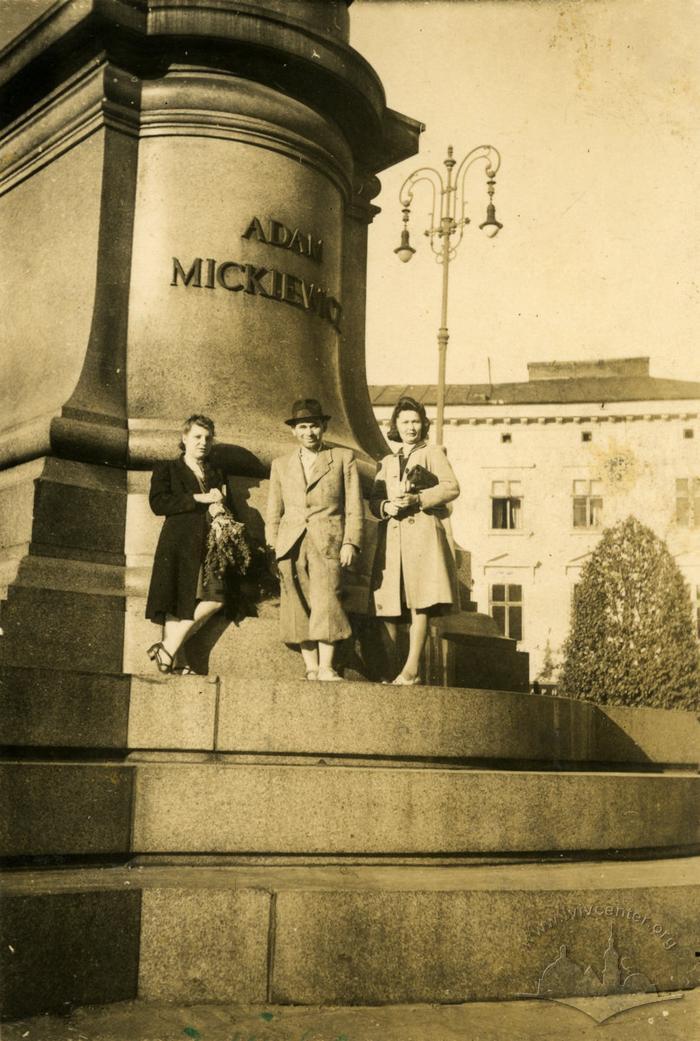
227	547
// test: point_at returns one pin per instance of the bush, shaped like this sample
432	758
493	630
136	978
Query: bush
632	640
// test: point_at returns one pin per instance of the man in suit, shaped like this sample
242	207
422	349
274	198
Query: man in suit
314	525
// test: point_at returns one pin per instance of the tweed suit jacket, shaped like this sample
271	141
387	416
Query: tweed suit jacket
329	507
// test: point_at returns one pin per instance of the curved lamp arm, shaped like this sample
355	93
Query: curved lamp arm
432	176
492	158
423	173
487	152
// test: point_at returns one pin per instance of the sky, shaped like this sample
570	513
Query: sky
595	108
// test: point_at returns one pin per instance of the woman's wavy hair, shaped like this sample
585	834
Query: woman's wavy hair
407	405
196	421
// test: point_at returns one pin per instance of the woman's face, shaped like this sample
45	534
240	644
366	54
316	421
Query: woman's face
197	442
410	427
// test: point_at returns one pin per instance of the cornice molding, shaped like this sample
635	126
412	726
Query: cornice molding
292	56
99	95
552	420
106	96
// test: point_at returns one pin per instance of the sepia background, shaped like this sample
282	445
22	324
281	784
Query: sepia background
241	835
594	106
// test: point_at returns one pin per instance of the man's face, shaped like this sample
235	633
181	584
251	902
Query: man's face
309	433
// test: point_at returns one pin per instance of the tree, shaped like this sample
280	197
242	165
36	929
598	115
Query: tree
632	640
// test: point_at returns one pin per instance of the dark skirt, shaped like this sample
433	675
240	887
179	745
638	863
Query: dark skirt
213	590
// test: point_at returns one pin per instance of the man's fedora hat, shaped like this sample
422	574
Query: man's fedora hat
304	410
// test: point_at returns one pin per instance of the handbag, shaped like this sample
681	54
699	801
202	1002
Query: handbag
418	478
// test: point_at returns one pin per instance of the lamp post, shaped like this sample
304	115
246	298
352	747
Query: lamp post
444	223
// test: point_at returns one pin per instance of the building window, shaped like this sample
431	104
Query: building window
506	604
506	439
588	504
688	433
688	502
586	435
506	504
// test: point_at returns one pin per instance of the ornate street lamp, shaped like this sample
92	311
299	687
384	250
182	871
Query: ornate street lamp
444	223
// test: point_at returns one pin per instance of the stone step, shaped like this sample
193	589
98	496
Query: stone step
347	935
42	708
543	1019
322	809
196	804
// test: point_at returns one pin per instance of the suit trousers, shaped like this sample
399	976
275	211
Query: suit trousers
311	592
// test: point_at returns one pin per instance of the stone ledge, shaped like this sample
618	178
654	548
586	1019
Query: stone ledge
506	1020
205	806
212	943
56	809
677	872
287	716
63	948
320	809
42	708
179	714
273	717
297	936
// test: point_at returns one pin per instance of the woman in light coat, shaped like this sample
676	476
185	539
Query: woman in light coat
414	569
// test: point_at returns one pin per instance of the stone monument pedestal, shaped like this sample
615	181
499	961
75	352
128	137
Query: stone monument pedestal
287	842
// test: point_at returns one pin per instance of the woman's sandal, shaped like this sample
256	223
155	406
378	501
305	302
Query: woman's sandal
154	653
404	681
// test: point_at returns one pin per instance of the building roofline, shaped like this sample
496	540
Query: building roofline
543	391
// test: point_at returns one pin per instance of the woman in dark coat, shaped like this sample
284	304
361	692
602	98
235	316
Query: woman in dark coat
188	493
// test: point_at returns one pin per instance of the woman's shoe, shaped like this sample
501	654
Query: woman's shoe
404	681
158	654
312	674
181	666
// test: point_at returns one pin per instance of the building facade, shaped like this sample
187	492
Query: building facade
547	464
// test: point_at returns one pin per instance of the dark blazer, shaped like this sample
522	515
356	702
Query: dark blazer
182	542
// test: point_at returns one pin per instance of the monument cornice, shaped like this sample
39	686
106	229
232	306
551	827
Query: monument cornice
202	102
307	65
360	206
98	95
106	96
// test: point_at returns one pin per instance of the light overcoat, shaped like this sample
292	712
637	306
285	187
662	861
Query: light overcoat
415	543
329	507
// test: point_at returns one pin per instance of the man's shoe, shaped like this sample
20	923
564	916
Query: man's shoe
326	675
